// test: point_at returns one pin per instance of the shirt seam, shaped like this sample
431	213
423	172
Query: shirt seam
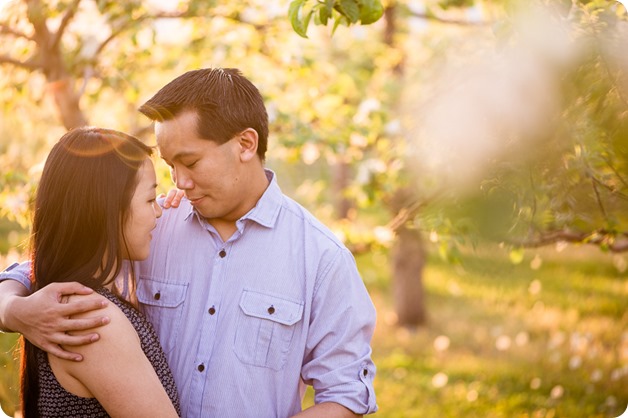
326	271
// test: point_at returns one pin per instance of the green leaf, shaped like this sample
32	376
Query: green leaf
342	20
324	13
370	11
446	4
329	5
295	21
306	22
349	9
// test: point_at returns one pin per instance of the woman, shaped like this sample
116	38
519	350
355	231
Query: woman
95	208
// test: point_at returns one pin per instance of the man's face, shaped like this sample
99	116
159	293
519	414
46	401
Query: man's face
211	175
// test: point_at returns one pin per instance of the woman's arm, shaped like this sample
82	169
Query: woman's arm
115	371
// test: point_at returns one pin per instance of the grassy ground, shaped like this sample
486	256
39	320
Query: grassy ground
544	338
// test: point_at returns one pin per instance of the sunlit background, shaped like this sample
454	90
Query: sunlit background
471	153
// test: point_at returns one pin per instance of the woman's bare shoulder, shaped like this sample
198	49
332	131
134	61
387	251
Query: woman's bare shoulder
119	324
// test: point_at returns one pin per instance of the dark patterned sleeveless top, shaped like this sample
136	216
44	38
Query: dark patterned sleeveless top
55	401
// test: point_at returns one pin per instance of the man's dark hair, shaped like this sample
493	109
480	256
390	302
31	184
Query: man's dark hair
225	101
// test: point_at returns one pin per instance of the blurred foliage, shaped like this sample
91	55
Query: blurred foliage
572	187
327	99
540	129
337	102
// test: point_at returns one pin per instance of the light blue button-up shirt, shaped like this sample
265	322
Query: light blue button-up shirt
247	322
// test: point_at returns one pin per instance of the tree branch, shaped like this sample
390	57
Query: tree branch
166	15
10	31
607	67
69	14
615	242
409	206
607	187
405	214
599	199
37	18
29	65
431	16
612	167
127	24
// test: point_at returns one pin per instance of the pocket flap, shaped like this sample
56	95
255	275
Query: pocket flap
274	308
156	293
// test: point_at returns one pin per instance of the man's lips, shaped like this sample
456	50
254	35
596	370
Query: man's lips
195	201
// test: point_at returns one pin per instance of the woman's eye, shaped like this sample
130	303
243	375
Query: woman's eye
191	165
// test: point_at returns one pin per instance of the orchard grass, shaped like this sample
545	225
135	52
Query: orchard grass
547	337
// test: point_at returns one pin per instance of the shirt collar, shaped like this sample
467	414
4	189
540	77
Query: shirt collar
265	211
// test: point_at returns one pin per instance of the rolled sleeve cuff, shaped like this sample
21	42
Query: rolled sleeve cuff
357	395
13	273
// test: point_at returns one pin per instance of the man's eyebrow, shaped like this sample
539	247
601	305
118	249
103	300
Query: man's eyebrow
178	156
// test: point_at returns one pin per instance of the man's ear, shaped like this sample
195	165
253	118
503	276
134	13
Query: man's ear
248	144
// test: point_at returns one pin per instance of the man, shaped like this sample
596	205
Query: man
251	296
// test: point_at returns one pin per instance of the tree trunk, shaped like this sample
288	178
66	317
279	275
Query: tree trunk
408	252
341	172
67	102
60	83
408	260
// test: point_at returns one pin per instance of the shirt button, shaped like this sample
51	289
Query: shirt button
157	296
212	310
201	367
222	253
271	310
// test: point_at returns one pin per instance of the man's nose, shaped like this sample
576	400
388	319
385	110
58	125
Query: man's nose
182	180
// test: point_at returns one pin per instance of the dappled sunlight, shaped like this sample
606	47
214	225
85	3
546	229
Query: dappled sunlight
488	339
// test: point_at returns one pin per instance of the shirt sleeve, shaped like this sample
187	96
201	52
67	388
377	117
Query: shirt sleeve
18	272
338	353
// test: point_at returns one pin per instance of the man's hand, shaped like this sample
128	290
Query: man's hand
173	198
46	322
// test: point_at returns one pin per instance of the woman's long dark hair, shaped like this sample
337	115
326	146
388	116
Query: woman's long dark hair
81	204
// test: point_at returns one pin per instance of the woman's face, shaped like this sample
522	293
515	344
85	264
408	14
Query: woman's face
142	215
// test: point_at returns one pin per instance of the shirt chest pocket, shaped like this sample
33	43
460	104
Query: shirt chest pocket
265	327
162	303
